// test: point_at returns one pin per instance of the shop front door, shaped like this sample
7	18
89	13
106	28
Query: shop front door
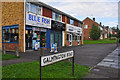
58	39
43	39
70	39
28	39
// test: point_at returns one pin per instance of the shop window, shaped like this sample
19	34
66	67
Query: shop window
73	37
10	34
14	35
6	35
79	38
56	16
43	39
67	37
76	37
71	22
52	37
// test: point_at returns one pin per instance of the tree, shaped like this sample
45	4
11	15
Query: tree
95	32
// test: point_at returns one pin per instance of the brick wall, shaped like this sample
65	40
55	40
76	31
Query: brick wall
47	12
67	43
68	20
10	46
74	43
63	18
86	32
81	43
75	23
13	13
0	26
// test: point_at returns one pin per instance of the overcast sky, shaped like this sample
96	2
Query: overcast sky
105	11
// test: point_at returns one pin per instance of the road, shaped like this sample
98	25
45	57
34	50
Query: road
92	54
88	55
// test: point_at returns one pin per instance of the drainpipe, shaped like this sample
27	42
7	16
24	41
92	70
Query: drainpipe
65	31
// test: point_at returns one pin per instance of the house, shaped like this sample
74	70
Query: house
31	22
87	25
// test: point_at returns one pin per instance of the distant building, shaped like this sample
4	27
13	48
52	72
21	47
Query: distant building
87	25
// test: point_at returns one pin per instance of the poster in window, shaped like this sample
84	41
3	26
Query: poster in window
13	30
17	31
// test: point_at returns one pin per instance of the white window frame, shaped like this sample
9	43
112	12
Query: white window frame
36	5
86	27
72	20
78	39
79	25
60	20
29	5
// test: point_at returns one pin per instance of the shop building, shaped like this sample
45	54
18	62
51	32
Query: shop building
25	24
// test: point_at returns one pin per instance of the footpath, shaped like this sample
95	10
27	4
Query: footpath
109	67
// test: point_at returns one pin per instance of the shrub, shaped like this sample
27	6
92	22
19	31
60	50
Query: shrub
113	38
95	32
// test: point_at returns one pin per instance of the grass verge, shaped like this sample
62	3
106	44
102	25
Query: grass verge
8	56
31	70
104	41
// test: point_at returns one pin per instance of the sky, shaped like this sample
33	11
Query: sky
105	11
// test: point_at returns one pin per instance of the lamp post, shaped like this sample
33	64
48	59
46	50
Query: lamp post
117	36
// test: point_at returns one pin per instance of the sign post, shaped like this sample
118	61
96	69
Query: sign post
40	67
47	60
73	65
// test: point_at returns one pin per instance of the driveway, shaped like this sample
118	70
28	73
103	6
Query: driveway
89	55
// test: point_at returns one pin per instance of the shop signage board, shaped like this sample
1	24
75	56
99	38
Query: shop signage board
50	59
74	29
78	30
57	25
37	20
71	28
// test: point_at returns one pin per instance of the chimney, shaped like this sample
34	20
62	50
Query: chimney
100	23
93	19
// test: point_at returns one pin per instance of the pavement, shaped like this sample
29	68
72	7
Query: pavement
108	68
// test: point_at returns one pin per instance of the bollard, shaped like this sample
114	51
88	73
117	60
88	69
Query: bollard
17	51
4	51
41	51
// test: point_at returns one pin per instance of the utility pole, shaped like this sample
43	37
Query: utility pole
117	36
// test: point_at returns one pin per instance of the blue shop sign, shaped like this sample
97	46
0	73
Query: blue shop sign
37	20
